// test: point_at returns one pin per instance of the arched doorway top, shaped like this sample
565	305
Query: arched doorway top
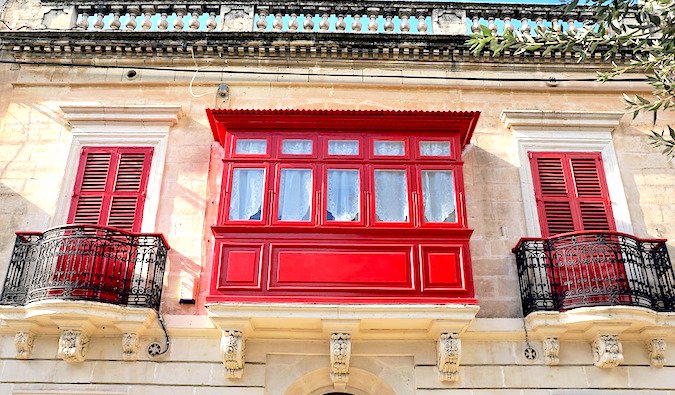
361	382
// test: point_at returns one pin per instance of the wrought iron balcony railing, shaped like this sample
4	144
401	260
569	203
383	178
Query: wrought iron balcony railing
594	269
83	262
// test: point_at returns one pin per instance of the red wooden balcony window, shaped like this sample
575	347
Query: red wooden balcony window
342	207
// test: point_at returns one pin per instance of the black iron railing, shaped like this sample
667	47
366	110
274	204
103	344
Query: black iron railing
82	262
594	269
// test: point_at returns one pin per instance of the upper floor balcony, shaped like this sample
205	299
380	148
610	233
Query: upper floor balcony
83	262
583	269
82	280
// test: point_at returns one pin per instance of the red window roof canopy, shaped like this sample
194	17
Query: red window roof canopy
462	122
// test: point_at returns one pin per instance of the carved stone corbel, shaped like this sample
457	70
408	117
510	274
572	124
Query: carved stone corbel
449	353
130	345
73	345
232	346
551	351
657	352
340	356
24	344
607	351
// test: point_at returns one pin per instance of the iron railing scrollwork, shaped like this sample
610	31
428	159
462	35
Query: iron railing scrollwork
83	262
594	269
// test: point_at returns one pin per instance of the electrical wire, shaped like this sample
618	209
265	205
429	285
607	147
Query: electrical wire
306	74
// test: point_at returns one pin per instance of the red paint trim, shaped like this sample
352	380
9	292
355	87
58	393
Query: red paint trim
109	192
572	196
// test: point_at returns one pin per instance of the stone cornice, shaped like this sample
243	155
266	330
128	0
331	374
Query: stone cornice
77	115
255	45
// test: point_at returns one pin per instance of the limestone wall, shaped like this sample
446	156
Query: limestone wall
193	366
35	140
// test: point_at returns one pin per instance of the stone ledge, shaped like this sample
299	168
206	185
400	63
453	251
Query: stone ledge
364	322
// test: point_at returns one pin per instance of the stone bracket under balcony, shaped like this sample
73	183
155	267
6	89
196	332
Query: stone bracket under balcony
604	327
339	325
76	322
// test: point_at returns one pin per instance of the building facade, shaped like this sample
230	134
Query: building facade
321	198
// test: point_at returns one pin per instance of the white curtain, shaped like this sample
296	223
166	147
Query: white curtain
248	146
389	148
247	194
296	147
343	195
438	194
343	147
435	148
295	195
391	196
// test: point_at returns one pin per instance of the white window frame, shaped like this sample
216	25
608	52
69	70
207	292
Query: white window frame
567	131
118	126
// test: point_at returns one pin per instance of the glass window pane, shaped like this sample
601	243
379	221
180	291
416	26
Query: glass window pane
438	195
391	196
344	194
248	187
389	148
435	148
251	146
296	147
343	147
295	195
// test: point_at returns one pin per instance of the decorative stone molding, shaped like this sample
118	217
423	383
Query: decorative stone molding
73	345
657	352
232	346
318	321
567	131
607	351
449	353
131	343
340	356
551	351
24	344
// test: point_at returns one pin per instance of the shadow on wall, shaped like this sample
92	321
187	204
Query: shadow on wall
16	214
495	212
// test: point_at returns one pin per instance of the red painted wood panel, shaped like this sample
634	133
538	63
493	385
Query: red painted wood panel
240	266
442	268
346	268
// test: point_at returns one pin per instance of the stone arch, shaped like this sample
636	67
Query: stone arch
318	382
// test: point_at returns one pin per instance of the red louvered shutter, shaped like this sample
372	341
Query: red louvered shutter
110	187
571	192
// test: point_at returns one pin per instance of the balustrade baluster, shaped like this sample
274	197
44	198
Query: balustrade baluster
324	24
341	25
556	26
148	12
404	14
422	21
308	24
211	24
508	26
134	11
475	26
525	27
115	24
163	23
293	23
373	13
357	25
492	26
83	23
194	23
99	24
571	27
179	24
278	23
388	23
262	19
